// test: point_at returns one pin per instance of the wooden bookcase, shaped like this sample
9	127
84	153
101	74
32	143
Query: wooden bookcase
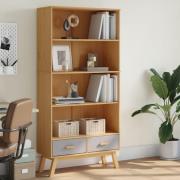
50	32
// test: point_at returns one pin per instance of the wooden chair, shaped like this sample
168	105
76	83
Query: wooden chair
14	128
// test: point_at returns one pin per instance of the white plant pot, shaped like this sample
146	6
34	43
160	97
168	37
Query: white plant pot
1	70
170	150
9	70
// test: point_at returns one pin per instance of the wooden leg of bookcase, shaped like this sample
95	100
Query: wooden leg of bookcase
103	158
53	167
115	161
42	164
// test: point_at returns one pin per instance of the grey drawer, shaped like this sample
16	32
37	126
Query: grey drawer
69	146
24	171
103	143
28	156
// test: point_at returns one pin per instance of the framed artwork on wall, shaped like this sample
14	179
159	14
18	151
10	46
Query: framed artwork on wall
62	58
8	48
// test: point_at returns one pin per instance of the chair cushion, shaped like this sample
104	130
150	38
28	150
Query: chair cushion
6	149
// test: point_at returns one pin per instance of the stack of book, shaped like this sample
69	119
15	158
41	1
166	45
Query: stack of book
103	25
68	100
102	88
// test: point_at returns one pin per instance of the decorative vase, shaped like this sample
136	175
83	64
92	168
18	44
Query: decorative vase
170	150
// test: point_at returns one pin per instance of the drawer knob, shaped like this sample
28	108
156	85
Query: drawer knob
69	147
103	143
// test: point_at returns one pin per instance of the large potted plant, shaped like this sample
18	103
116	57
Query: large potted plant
167	87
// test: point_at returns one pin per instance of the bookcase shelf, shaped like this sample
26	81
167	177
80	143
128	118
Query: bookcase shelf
86	136
84	72
83	104
85	40
50	32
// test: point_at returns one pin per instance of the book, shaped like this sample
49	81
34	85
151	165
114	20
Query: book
68	100
96	26
112	26
108	88
95	69
105	25
94	88
103	95
115	87
111	89
106	19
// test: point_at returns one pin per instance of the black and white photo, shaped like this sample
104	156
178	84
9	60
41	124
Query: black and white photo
62	59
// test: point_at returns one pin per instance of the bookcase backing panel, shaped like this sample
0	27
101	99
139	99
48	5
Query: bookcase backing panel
87	112
111	55
63	113
60	87
79	32
111	112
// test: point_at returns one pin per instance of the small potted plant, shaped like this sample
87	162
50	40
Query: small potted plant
167	87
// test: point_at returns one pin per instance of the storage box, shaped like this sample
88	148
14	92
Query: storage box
29	155
24	170
65	128
91	126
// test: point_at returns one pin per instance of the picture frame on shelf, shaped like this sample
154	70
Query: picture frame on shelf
62	58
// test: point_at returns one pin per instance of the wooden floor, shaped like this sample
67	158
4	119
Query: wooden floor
143	169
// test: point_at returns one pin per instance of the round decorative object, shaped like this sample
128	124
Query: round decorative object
66	25
73	20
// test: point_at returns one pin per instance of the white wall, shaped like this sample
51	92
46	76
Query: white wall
150	37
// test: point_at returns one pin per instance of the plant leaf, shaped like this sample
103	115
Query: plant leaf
176	99
172	96
135	113
167	79
159	87
147	107
178	107
155	73
175	78
166	107
165	132
178	89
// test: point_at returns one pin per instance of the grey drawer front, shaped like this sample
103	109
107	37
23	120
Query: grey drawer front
103	143
28	156
69	146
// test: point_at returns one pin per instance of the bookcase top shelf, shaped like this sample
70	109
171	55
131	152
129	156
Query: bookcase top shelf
83	104
84	72
81	8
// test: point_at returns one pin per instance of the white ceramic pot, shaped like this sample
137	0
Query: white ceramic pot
1	70
9	70
170	150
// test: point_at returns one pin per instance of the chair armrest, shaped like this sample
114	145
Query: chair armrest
2	118
17	129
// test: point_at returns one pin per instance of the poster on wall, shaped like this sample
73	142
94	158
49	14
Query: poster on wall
8	48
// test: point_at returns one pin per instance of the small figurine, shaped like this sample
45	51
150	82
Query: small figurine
72	89
91	60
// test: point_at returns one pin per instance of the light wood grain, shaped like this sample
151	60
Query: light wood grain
42	164
44	125
53	167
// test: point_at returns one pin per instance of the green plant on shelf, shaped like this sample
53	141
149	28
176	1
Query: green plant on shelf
167	87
